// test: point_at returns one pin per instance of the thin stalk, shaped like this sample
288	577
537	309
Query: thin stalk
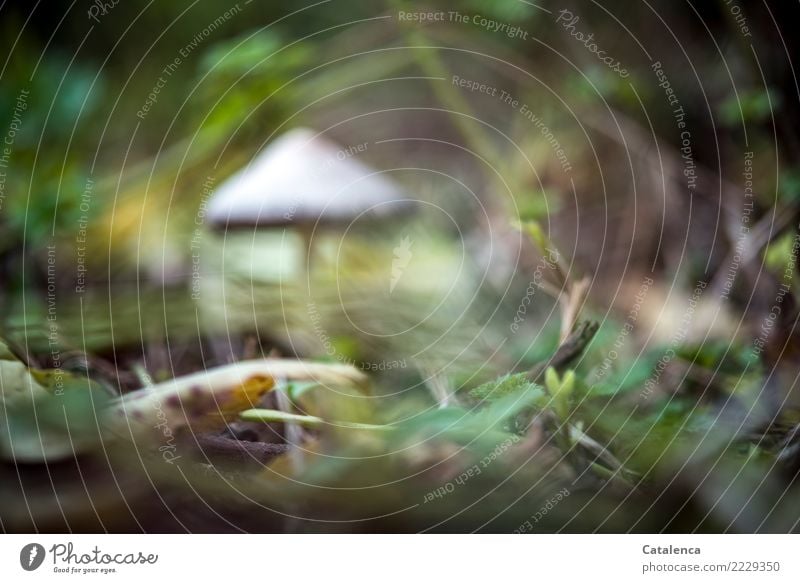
274	416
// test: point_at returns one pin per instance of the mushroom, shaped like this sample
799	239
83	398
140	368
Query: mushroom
300	187
303	180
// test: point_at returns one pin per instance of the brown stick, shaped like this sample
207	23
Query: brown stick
568	351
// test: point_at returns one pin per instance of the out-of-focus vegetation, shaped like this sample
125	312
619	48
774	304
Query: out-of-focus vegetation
588	324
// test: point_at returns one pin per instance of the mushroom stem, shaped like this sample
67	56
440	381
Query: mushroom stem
307	232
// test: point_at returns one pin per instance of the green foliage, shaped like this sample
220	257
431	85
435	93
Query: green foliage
560	390
620	378
16	381
506	10
646	438
481	427
508	406
557	393
296	390
536	204
754	105
790	186
780	257
247	75
593	84
718	355
51	147
52	426
528	353
506	385
534	230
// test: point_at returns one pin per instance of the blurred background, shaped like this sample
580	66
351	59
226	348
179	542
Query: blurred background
443	195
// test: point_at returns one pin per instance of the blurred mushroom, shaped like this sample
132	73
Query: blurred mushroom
302	181
302	187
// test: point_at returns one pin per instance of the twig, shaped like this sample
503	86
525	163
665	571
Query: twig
568	351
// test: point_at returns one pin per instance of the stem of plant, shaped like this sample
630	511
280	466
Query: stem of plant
273	416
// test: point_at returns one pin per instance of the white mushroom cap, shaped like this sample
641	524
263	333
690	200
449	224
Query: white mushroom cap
302	178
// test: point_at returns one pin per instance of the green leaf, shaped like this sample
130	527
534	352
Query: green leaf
749	106
501	387
16	381
51	427
551	381
537	236
780	257
560	390
509	406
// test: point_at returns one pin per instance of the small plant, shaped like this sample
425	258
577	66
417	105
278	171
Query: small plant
571	295
560	390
